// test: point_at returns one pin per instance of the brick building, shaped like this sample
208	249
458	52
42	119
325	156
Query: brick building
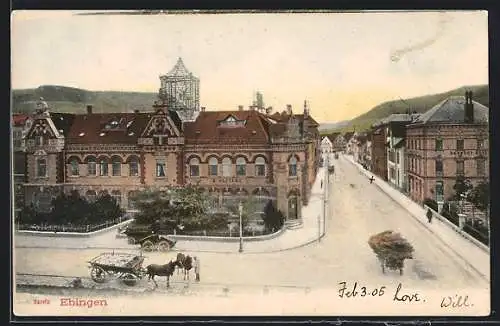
227	153
448	141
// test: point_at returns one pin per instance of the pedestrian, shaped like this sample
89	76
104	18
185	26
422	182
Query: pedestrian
372	179
321	184
429	215
196	263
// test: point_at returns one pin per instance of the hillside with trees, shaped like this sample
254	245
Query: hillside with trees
416	104
75	100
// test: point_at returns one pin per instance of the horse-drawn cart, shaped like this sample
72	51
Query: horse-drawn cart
127	267
391	250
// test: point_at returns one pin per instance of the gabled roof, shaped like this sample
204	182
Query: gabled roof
333	136
348	135
452	110
284	117
207	129
107	128
63	121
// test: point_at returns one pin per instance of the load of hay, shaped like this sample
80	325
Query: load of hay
391	249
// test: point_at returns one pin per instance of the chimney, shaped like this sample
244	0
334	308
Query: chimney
469	108
89	109
202	109
289	109
306	110
269	110
136	111
251	108
240	107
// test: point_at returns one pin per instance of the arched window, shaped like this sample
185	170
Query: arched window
212	166
292	167
116	167
194	167
103	167
91	166
227	167
241	166
41	167
91	195
133	166
260	167
117	195
75	169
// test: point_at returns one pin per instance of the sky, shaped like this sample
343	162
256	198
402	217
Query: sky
343	64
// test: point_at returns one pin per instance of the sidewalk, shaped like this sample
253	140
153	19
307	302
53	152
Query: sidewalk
468	252
289	239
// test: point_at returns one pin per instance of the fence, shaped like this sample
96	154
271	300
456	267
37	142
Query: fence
462	231
208	233
71	227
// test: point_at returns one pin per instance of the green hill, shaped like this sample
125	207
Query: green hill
416	104
68	99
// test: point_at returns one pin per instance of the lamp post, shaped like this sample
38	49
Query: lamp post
240	208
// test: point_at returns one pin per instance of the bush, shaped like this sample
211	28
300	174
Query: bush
479	232
450	212
431	203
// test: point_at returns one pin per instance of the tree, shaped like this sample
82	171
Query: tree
105	208
462	186
480	196
273	218
187	205
250	207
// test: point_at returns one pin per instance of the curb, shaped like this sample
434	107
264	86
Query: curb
428	229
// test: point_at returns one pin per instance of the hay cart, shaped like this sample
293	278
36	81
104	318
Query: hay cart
391	250
126	267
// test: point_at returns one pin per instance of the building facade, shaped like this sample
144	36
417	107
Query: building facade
326	144
379	151
448	141
229	154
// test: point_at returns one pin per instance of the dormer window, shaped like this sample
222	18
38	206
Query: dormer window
129	123
231	121
81	134
102	134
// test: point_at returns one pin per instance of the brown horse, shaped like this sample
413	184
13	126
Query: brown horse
185	262
161	270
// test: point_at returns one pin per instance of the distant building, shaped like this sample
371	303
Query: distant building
396	138
329	143
379	149
448	141
348	142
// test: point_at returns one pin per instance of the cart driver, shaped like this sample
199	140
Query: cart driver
155	227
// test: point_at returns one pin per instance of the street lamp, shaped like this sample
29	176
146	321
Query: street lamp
240	209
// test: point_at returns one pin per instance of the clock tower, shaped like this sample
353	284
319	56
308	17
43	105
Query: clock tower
180	91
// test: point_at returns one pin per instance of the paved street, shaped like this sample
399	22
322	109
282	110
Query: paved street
357	210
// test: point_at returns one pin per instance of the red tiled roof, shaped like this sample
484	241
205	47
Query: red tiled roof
87	128
284	116
18	120
206	128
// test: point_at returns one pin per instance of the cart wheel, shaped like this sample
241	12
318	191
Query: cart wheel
163	245
147	245
129	279
98	274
